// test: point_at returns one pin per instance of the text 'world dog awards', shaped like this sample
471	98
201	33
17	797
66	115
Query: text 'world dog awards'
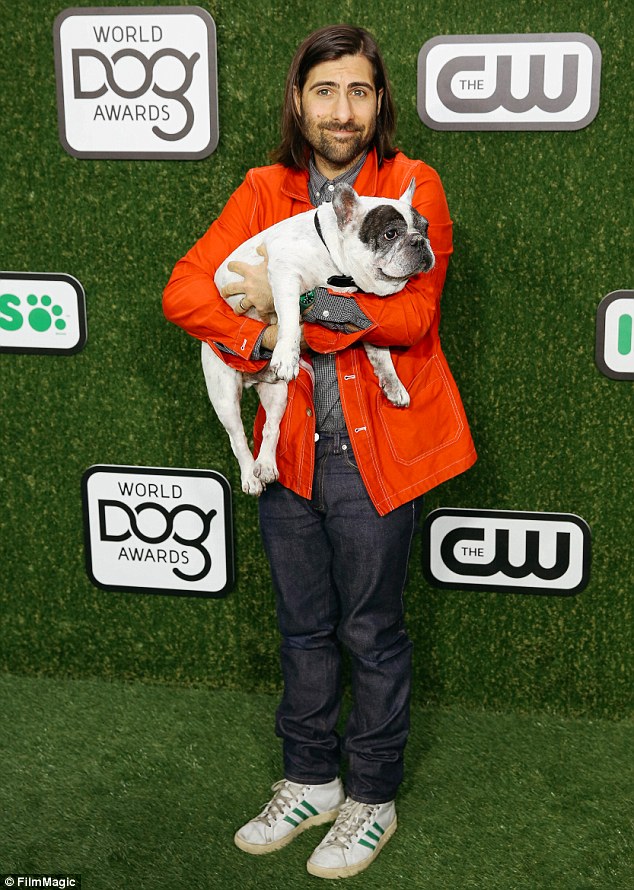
137	82
158	530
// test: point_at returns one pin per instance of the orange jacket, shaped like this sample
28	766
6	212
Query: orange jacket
401	452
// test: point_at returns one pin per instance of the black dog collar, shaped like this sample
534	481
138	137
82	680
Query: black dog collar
336	281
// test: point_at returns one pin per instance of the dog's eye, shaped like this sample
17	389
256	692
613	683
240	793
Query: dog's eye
390	235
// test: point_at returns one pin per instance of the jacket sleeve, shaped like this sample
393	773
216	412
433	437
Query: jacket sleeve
192	301
403	318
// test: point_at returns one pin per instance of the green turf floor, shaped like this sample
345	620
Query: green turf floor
139	786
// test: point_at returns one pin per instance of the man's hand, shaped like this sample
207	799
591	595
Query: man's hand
254	286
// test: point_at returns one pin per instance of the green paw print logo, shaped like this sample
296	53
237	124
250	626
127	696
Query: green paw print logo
43	314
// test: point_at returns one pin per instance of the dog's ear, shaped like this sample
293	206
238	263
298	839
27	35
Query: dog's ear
344	203
408	194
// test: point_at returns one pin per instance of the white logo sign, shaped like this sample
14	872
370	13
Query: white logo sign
137	82
509	82
41	313
547	553
615	335
158	530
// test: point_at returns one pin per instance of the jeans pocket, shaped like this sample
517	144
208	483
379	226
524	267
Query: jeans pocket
349	458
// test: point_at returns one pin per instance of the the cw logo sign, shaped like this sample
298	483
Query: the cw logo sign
502	96
510	81
547	553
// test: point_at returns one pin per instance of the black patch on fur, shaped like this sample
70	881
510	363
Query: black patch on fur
420	223
377	222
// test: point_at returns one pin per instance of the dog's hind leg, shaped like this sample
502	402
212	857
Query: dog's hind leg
273	397
224	386
381	361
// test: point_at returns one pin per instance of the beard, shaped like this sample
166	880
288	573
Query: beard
339	152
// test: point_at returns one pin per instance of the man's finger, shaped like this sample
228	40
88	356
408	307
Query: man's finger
238	267
232	288
242	306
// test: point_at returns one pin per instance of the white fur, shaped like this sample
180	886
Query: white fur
298	262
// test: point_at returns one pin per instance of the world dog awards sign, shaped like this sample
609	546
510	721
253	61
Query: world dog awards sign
137	82
158	530
508	551
509	82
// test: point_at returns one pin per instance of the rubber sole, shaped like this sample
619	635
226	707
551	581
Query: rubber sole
347	871
260	849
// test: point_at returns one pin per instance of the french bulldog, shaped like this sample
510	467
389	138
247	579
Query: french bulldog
377	243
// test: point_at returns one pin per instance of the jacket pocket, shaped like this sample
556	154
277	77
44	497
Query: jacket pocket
431	422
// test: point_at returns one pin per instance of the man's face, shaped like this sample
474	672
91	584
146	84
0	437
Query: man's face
338	107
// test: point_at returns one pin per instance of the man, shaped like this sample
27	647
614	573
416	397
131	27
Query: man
337	526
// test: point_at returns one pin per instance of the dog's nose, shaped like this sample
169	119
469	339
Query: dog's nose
415	238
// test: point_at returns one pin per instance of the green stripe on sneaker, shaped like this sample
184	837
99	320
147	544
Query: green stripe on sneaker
299	813
311	809
378	827
374	837
366	844
292	821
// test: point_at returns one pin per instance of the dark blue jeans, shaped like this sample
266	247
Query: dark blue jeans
339	570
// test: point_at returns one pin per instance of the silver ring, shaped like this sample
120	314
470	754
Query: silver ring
244	308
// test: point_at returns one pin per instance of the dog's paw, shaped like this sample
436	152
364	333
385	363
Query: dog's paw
265	471
396	393
252	485
285	364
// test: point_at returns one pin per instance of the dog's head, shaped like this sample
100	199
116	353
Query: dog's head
384	241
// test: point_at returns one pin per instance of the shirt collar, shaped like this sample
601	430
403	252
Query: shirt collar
320	188
295	182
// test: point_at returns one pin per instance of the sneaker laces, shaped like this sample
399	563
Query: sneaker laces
352	816
278	804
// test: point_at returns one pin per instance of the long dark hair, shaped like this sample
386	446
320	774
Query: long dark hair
326	45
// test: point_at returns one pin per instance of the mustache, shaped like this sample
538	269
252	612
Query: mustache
346	128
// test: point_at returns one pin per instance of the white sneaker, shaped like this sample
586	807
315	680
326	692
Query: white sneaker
291	810
355	840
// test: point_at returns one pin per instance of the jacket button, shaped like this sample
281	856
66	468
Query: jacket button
309	413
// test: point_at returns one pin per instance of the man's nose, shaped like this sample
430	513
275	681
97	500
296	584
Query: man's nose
343	109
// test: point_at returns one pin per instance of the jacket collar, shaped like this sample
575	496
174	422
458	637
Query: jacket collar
295	183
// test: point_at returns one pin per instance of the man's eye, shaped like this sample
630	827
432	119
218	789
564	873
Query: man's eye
390	235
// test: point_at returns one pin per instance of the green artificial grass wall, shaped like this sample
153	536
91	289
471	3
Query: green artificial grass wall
542	234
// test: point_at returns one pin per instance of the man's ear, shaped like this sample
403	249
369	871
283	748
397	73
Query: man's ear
297	100
379	101
344	203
